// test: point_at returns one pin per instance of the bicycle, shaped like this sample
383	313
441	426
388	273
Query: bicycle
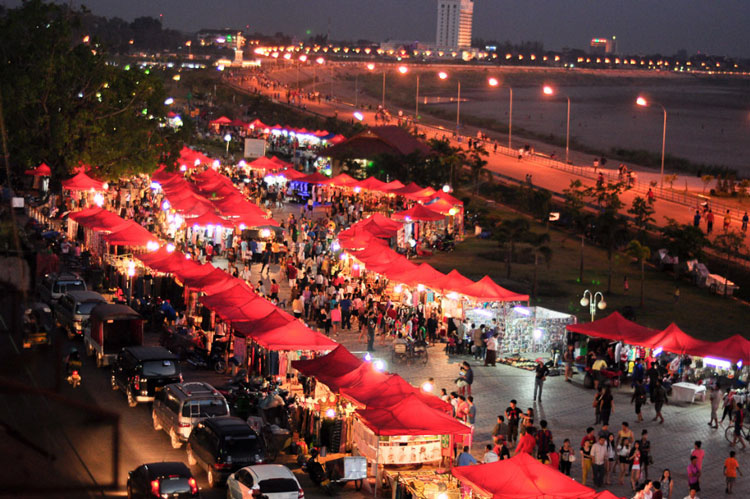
744	434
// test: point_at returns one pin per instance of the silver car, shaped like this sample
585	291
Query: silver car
180	406
73	309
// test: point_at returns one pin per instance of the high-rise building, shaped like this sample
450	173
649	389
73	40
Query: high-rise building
454	19
602	46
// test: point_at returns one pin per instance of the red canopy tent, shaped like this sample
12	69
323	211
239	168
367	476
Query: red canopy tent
341	180
209	217
236	293
452	281
487	290
264	163
98	219
407	189
397	263
292	174
372	184
256	123
522	477
448	197
422	194
82	182
419	213
440	205
617	328
336	363
223	120
389	392
410	416
359	240
315	178
213	281
394	184
336	139
281	162
605	494
356	375
130	234
295	335
675	340
734	348
422	274
43	170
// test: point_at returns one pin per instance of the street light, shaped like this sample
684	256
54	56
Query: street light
494	82
443	75
593	301
320	61
371	67
550	91
227	139
643	102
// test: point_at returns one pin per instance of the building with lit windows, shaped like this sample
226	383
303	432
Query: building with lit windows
602	46
454	20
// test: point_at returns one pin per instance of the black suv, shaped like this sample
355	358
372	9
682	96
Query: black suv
222	446
142	371
162	480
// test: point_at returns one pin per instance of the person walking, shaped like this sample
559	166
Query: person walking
585	461
623	455
667	484
659	397
646	459
635	460
698	453
709	222
489	358
543	441
731	468
639	398
694	474
466	379
727	220
611	460
607	405
539	378
567	457
715	398
513	416
597	405
568	358
599	461
745	219
739	418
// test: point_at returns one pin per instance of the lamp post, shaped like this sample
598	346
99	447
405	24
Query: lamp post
131	273
371	67
300	60
227	139
493	82
593	301
551	91
643	102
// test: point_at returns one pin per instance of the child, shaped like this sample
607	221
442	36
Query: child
731	467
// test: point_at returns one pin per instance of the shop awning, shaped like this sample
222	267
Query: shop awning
211	278
293	335
423	274
341	180
522	477
419	213
233	295
264	163
452	281
734	348
315	178
223	120
372	184
615	327
336	363
353	377
98	219
487	290
410	416
209	217
82	182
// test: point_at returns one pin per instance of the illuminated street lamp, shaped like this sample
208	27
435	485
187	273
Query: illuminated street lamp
494	82
551	91
443	75
371	67
594	301
319	61
227	139
643	102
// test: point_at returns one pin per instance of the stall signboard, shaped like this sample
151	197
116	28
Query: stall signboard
365	440
255	148
407	449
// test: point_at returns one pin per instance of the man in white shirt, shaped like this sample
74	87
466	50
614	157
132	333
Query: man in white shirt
599	459
490	456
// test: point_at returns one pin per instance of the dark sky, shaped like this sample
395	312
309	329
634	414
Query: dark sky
641	26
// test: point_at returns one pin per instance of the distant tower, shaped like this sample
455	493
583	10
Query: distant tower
454	20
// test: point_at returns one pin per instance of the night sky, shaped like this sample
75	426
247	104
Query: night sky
642	26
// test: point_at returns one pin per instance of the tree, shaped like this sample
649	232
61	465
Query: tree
642	212
477	163
685	241
670	179
68	104
706	179
640	252
540	247
611	227
575	202
730	243
509	232
450	158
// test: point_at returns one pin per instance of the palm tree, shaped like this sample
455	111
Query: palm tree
509	232
540	246
640	252
477	163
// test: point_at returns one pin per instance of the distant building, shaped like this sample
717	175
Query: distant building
229	38
454	20
603	46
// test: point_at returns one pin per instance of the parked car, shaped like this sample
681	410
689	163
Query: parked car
141	372
274	481
179	407
222	446
166	479
73	309
52	286
111	328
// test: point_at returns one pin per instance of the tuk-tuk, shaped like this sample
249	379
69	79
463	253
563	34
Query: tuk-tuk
38	324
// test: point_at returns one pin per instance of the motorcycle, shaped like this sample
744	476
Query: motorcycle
201	358
317	472
73	366
74	379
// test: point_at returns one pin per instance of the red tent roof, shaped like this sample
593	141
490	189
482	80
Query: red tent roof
42	170
448	197
82	182
394	184
358	240
452	281
411	416
292	174
223	120
487	290
733	348
256	123
235	295
372	184
208	218
407	189
281	162
315	178
422	194
336	363
440	205
617	328
422	274
522	477
419	213
98	219
294	335
356	375
341	180
264	163
215	280
389	392
130	234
